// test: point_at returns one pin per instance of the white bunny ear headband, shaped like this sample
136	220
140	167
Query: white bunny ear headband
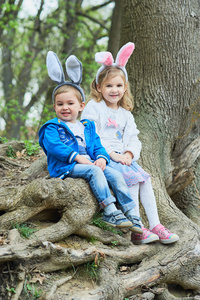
106	59
73	69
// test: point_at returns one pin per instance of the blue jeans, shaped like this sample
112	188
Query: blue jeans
100	181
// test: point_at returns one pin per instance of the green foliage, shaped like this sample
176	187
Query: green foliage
92	240
48	111
10	152
25	40
12	290
33	289
114	243
97	221
91	270
3	140
7	7
52	21
25	230
32	148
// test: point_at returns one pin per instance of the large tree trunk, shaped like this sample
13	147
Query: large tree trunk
163	72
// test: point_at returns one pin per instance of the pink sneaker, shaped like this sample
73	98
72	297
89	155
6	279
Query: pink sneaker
145	238
165	236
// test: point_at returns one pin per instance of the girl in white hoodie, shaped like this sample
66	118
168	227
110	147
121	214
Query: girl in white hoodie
110	107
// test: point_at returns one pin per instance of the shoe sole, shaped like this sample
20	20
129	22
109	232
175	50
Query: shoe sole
122	225
136	229
169	241
146	241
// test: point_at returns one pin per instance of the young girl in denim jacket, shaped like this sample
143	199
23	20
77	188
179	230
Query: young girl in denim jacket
110	108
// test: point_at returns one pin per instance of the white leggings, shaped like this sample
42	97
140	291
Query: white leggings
148	201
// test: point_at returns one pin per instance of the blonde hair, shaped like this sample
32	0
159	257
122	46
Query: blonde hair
110	72
67	88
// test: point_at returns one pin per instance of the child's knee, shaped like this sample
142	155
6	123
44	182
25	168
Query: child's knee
96	171
119	180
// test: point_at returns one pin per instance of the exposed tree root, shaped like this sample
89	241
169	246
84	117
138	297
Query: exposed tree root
182	173
138	274
106	237
21	278
124	270
52	293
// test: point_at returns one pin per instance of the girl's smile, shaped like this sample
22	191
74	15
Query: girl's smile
112	91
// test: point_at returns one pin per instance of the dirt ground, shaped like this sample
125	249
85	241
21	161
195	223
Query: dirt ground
79	280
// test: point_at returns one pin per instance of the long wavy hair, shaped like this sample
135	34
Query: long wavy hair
110	72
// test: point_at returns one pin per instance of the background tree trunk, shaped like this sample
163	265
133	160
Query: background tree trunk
115	29
163	72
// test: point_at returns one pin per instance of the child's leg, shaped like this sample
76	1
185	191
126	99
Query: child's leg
134	192
148	201
98	183
96	180
157	231
147	236
121	192
120	189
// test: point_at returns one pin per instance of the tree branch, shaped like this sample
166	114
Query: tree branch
94	8
37	95
80	13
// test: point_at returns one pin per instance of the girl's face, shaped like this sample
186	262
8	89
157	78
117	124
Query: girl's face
112	91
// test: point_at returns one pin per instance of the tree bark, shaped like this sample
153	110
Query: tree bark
163	73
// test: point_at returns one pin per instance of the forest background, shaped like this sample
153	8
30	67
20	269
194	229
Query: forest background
28	30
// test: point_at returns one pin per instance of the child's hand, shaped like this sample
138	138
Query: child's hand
118	157
128	156
124	159
83	160
101	163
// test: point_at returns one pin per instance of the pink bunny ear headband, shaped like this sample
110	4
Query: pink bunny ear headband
106	59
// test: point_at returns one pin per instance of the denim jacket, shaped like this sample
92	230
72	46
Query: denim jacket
61	147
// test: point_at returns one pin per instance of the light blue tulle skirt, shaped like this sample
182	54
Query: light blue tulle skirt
132	174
